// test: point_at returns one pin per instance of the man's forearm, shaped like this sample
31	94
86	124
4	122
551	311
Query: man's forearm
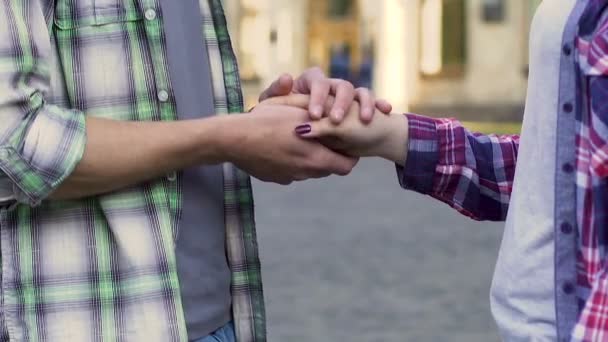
120	154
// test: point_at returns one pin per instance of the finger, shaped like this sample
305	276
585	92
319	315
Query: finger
304	83
281	87
345	95
384	106
319	93
316	129
367	102
284	182
336	163
315	174
294	100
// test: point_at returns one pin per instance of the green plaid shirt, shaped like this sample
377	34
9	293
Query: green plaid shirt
103	268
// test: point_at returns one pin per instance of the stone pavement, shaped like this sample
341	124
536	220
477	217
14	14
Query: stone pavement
358	259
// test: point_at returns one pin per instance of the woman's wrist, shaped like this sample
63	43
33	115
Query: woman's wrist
395	144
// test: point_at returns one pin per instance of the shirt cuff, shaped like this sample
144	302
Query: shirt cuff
45	156
423	155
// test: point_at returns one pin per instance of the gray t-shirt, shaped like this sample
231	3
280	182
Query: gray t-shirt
202	266
523	290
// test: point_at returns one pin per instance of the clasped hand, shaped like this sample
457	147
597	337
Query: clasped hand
313	127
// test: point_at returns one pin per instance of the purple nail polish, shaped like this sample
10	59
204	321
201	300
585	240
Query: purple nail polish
303	129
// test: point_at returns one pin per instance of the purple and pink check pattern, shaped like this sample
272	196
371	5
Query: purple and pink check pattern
474	173
471	172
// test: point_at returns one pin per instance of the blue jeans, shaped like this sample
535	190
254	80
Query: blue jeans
223	334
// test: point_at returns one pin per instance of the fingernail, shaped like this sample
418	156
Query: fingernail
337	114
303	129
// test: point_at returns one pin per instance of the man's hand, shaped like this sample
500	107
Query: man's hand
265	145
313	82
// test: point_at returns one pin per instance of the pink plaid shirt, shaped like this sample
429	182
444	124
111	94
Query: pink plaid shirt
440	165
592	178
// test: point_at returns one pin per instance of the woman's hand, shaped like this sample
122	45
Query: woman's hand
385	136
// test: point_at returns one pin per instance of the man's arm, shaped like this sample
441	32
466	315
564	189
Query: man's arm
40	144
119	154
46	149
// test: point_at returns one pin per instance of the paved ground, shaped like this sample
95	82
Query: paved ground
357	259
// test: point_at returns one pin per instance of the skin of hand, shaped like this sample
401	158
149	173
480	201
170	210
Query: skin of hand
313	82
385	136
272	151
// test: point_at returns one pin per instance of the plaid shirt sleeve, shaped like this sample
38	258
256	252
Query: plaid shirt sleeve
40	144
471	172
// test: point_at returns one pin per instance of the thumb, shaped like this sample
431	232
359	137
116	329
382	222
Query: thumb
384	106
281	87
317	129
293	100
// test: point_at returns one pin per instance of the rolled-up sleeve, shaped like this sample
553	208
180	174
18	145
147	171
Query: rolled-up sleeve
40	144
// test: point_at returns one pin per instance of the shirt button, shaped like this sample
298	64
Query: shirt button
567	228
567	50
568	168
172	177
150	14
163	96
4	154
568	107
568	288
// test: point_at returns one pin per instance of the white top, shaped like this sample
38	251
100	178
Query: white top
523	290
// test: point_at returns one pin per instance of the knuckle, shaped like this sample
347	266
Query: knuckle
322	83
345	170
285	181
316	70
320	174
347	85
364	92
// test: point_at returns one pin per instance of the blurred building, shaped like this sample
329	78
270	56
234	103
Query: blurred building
432	54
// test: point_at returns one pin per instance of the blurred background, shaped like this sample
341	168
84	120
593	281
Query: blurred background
357	258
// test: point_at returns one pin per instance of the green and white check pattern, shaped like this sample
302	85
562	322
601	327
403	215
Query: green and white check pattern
103	269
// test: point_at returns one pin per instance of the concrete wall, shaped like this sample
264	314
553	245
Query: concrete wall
396	76
495	72
494	75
